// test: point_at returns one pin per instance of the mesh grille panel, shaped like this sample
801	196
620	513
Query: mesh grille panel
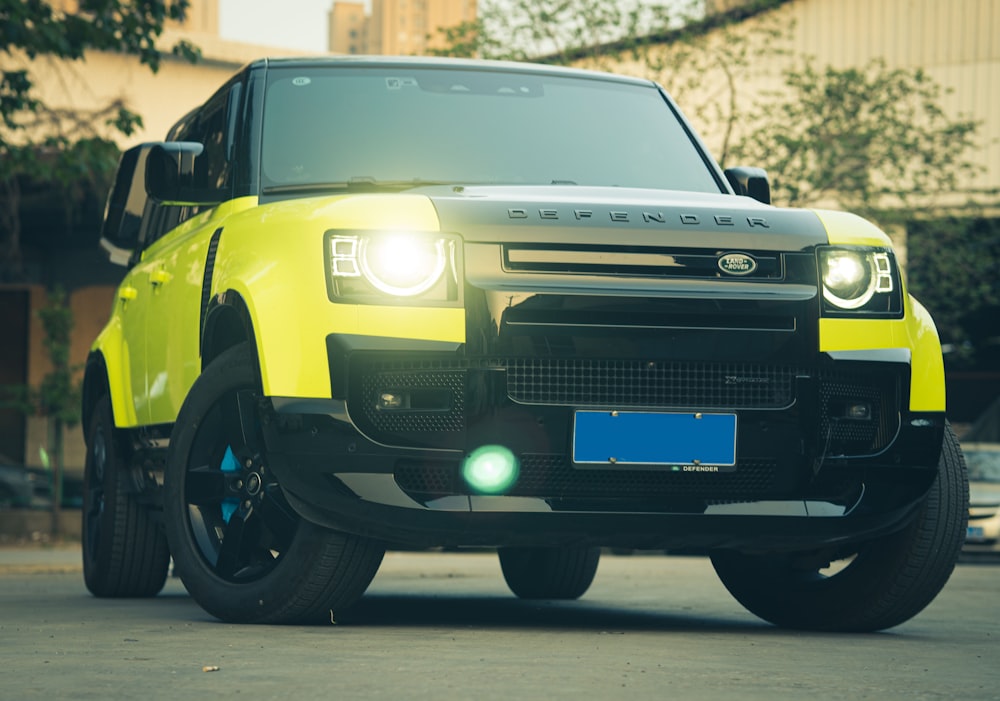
632	383
619	383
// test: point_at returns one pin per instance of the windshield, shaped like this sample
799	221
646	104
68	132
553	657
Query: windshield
405	126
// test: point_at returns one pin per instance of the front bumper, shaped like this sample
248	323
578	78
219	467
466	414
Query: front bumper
805	476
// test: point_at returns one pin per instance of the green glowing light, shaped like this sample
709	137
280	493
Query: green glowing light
491	469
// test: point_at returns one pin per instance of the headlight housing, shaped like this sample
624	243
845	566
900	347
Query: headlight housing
384	267
859	280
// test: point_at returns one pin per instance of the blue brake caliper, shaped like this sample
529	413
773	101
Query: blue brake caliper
229	464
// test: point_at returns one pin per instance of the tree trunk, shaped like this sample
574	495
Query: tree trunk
56	462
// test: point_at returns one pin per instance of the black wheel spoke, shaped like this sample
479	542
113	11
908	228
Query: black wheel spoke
231	558
277	516
95	502
240	423
205	486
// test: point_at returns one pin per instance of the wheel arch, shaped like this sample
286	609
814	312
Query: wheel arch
95	385
228	323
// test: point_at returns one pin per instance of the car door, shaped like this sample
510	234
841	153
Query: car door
173	272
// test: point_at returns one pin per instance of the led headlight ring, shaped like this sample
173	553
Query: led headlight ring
403	265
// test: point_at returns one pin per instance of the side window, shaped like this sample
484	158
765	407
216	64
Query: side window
211	126
162	219
213	167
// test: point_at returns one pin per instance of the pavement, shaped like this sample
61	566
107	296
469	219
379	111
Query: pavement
40	558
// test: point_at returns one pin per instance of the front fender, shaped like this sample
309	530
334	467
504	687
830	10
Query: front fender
915	332
273	258
109	355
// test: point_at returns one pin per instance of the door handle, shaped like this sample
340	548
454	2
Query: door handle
159	277
127	293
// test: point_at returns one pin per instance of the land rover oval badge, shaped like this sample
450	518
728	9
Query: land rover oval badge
737	264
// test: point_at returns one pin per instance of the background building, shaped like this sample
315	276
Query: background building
395	27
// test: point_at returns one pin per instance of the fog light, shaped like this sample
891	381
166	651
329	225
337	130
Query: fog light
491	469
859	412
390	400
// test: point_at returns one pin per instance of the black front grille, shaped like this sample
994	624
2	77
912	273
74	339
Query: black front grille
466	389
654	384
554	477
584	382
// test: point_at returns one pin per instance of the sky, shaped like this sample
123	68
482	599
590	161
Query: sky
291	24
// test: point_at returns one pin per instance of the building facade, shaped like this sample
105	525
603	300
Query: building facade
395	27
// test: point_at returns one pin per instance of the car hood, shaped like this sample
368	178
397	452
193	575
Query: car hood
629	216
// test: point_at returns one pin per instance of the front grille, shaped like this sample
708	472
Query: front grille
463	387
653	384
583	382
554	477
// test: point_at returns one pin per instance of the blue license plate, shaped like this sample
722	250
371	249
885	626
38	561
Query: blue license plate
654	438
975	533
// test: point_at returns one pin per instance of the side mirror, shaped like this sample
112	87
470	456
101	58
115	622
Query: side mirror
750	182
174	178
121	230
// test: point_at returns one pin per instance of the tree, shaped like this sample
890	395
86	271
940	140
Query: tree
699	58
57	397
953	270
871	140
42	144
558	31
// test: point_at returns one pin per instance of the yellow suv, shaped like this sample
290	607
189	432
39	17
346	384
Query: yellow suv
384	302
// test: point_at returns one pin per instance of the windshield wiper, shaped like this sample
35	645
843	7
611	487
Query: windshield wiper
356	184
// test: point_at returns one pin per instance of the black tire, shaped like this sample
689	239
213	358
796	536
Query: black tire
549	573
124	548
887	582
244	555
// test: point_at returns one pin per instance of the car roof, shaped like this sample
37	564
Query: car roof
441	62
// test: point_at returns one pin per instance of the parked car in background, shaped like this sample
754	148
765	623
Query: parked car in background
18	487
24	487
983	533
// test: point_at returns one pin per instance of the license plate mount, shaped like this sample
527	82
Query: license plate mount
649	438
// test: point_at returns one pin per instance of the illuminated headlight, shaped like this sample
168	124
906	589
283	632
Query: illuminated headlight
859	279
400	265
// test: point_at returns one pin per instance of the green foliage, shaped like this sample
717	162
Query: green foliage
558	31
58	396
871	140
69	149
953	271
705	66
670	43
